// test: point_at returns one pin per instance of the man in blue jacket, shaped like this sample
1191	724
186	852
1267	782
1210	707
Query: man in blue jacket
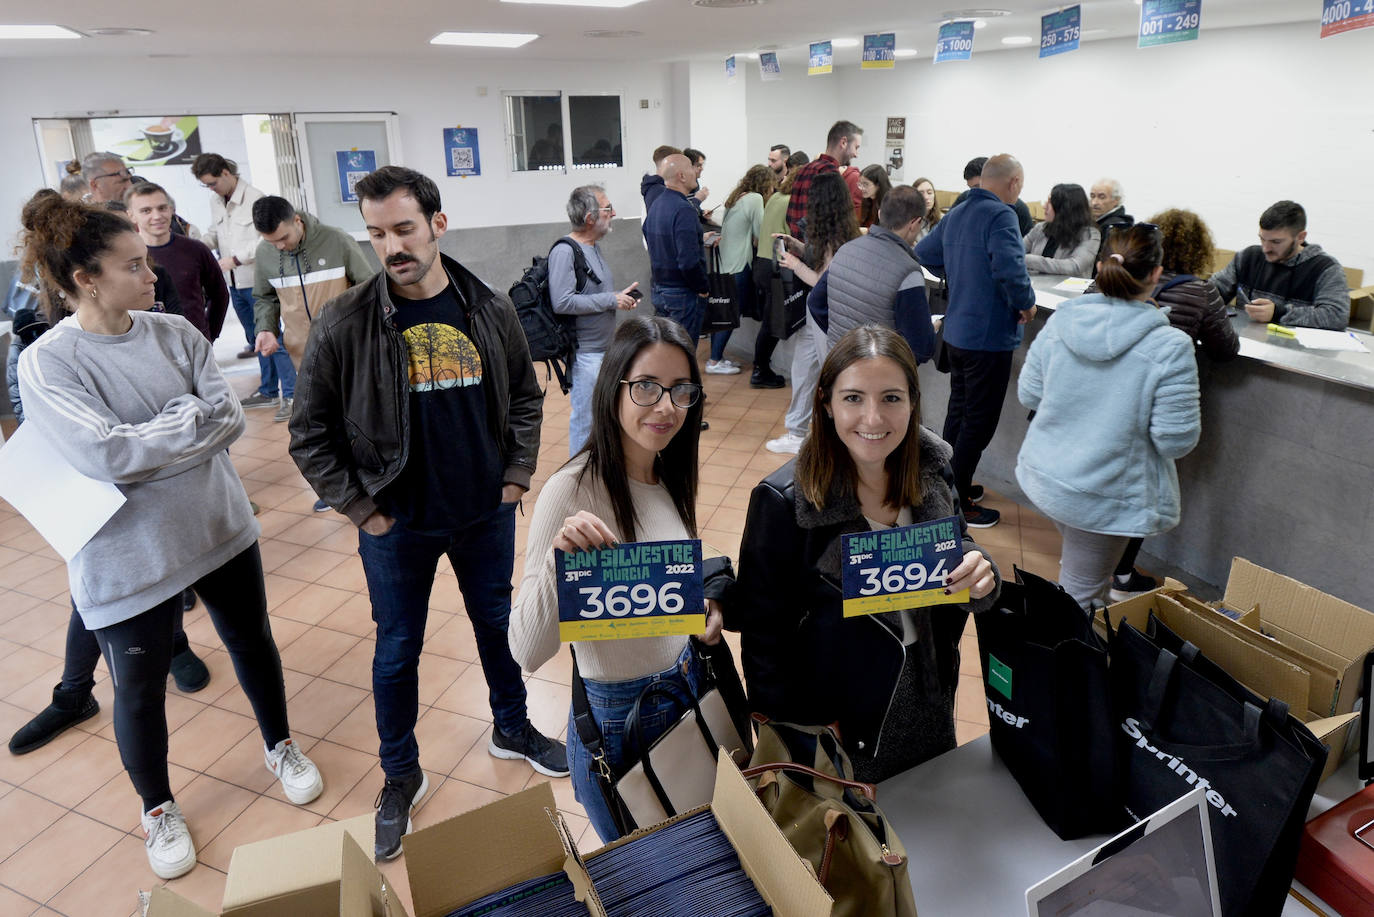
673	235
978	248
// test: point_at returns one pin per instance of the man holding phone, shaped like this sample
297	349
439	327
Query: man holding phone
580	285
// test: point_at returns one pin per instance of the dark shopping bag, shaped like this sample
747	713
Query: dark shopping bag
722	299
1049	711
1183	722
784	305
937	294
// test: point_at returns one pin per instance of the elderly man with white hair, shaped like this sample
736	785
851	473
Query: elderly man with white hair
1108	210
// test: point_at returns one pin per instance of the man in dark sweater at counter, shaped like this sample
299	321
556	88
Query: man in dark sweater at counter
1285	279
673	234
193	268
978	247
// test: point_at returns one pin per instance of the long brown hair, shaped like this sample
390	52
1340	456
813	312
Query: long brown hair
830	220
758	180
877	176
677	463
934	213
824	463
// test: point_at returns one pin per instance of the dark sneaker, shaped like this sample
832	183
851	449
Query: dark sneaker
548	756
245	353
188	599
322	507
1134	583
705	425
766	380
67	709
258	400
394	804
980	517
975	493
189	673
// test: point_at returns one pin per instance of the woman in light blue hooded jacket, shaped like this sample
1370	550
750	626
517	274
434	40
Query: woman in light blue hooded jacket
1115	391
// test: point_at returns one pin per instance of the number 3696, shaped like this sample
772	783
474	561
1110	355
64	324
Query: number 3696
639	599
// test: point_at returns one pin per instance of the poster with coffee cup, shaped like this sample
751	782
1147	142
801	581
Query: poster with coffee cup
152	141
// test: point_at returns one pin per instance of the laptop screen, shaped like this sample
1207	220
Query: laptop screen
1161	866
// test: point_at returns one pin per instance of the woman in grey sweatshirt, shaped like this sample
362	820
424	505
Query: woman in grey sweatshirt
135	398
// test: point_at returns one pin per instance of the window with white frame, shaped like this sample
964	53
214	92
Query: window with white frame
556	131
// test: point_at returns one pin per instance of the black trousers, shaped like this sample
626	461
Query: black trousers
977	387
138	651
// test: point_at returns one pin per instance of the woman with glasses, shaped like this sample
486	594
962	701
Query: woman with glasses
1103	467
867	465
634	480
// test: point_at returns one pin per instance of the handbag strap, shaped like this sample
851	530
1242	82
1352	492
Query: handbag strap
587	730
1159	685
869	791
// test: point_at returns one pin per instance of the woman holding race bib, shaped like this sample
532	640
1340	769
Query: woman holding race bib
887	679
634	480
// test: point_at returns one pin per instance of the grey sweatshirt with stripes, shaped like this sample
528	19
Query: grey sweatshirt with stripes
148	411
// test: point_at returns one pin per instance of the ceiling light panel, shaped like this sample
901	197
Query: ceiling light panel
608	4
36	32
484	39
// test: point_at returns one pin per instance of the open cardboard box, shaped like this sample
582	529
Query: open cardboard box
463	858
322	870
1279	637
782	877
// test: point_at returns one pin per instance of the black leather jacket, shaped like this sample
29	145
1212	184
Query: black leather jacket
350	427
804	662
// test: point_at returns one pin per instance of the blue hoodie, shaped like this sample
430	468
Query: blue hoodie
1115	391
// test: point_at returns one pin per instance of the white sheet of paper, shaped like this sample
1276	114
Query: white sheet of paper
69	508
1321	339
1074	284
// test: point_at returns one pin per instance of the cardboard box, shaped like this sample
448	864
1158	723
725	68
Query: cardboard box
465	857
782	877
1272	633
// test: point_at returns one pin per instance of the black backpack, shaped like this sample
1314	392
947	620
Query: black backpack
551	337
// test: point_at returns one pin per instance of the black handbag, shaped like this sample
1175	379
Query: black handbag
722	299
785	313
1049	712
1182	722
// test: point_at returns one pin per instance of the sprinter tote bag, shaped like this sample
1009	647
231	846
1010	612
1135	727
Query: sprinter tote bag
1049	713
1181	723
722	299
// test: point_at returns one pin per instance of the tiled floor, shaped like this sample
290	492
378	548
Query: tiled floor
71	842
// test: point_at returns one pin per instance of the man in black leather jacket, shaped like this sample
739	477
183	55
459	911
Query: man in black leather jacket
417	416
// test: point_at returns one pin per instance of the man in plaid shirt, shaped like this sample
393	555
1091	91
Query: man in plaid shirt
841	146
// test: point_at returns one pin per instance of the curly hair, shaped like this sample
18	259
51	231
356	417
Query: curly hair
758	180
830	219
1188	245
60	237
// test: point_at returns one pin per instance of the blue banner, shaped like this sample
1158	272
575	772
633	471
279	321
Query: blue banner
879	51
955	42
769	68
1059	31
821	59
1346	15
461	153
354	166
900	568
1163	22
635	589
730	68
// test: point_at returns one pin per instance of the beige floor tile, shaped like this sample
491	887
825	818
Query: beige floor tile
358	730
203	885
77	774
315	651
93	893
117	805
454	797
24	816
321	705
480	768
445	738
341	768
314	603
45	865
205	738
13	904
354	616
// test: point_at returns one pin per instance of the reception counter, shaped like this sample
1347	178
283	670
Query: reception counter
1284	471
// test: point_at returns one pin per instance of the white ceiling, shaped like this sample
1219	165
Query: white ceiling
673	29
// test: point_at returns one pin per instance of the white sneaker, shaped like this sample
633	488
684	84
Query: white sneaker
787	444
171	852
299	776
721	367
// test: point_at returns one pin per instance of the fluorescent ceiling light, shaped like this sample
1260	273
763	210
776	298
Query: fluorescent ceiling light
980	23
613	4
37	32
484	39
904	52
844	42
750	55
1017	40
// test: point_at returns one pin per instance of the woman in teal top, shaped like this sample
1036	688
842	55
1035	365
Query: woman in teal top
739	228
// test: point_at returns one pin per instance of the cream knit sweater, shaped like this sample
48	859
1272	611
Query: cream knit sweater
534	616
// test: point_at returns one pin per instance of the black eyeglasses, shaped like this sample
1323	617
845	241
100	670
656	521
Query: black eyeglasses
646	393
121	174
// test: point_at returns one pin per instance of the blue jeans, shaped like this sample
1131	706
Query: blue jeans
682	306
585	368
610	703
274	370
400	568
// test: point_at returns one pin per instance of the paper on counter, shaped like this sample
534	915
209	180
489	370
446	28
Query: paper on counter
1074	284
66	507
1321	339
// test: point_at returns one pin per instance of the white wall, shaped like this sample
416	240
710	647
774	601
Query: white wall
718	127
427	96
1225	125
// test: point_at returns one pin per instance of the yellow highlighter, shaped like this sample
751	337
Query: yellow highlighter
1279	329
